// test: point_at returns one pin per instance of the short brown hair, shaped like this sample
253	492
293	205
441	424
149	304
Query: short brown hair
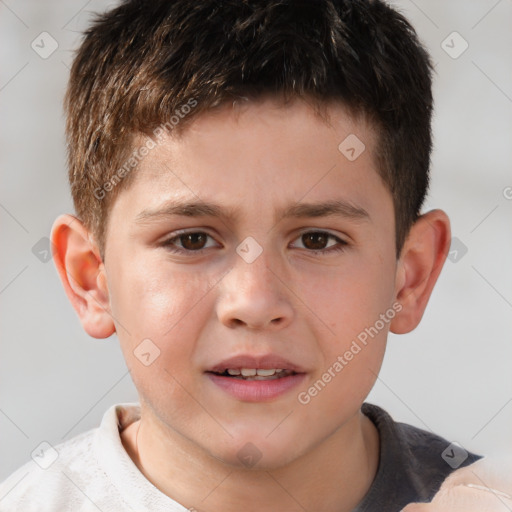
142	62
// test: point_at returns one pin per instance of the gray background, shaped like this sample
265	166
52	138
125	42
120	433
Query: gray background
451	375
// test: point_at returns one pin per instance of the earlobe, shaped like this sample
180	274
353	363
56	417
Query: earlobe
82	273
420	264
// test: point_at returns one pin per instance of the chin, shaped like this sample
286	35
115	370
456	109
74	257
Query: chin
258	452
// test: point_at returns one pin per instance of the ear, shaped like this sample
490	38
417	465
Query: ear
83	276
420	263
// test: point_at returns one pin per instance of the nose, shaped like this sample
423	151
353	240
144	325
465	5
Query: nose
255	295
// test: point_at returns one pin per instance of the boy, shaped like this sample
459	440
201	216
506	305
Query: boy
248	178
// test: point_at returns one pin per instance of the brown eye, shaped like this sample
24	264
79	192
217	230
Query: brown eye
318	242
193	241
183	243
315	240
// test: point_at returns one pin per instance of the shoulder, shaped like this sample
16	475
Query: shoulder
47	479
423	450
67	476
433	455
413	463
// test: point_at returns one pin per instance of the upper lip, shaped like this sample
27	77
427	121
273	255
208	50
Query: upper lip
264	362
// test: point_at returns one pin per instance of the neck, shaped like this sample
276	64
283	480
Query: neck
333	476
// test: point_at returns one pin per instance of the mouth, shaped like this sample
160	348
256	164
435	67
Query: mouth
256	378
255	373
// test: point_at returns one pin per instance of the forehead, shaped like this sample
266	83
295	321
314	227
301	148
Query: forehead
279	128
251	152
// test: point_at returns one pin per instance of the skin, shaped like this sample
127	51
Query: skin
485	485
202	308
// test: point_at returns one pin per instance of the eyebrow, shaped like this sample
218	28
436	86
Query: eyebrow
190	208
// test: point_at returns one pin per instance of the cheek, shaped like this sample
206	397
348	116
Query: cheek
354	301
152	298
349	298
166	307
169	309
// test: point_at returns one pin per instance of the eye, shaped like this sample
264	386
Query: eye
317	242
193	241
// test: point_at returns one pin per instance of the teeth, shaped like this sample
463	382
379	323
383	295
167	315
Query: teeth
254	372
266	373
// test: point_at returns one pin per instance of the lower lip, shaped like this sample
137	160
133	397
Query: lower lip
256	390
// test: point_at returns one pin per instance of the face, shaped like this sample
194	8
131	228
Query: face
287	261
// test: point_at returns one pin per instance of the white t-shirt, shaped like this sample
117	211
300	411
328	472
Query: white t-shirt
92	472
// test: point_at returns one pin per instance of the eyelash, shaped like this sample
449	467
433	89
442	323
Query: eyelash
340	247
